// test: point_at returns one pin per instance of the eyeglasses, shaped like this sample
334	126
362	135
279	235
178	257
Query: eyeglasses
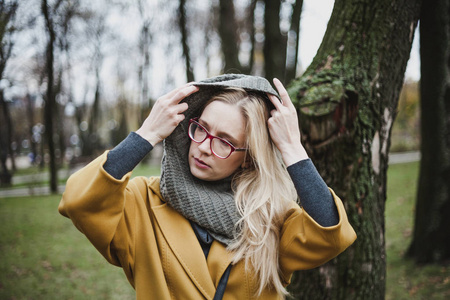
219	146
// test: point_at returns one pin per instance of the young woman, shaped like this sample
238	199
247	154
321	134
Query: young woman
238	208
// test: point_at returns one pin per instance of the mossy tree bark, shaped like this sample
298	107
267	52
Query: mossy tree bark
347	101
431	239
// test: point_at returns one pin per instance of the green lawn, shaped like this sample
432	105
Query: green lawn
43	256
406	280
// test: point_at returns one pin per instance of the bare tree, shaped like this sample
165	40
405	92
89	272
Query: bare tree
145	40
182	23
274	42
57	16
50	97
292	47
7	14
228	31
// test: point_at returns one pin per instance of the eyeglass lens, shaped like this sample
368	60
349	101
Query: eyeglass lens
218	146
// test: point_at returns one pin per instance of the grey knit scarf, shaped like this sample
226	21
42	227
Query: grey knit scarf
209	204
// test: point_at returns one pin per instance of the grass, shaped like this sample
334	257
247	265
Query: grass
405	279
43	256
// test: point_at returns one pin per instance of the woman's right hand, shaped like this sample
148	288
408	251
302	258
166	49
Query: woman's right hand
166	114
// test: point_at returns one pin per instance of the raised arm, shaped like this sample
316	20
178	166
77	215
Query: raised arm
313	192
100	199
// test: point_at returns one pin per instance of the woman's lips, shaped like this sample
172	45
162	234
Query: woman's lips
201	164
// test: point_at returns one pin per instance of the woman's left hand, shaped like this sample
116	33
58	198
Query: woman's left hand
283	127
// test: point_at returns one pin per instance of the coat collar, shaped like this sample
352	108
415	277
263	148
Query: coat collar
182	240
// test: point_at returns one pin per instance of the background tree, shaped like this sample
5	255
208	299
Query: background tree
145	40
228	31
431	238
182	23
292	47
347	101
274	42
7	14
50	96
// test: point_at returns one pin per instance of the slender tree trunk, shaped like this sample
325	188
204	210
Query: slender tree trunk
293	41
94	117
347	100
144	105
50	101
229	37
184	37
8	11
274	42
431	238
5	141
250	24
30	117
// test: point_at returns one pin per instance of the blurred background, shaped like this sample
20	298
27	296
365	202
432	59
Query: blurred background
113	59
108	61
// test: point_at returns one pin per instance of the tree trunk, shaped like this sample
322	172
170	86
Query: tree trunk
274	42
250	27
50	101
229	37
347	101
5	141
293	41
7	15
144	69
183	29
30	117
94	117
431	238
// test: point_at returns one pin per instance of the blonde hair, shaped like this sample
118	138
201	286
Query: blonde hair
263	193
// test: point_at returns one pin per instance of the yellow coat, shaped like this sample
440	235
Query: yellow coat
131	226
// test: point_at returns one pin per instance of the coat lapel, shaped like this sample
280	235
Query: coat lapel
182	240
218	261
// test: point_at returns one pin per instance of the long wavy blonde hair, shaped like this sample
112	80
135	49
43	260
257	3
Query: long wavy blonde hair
263	193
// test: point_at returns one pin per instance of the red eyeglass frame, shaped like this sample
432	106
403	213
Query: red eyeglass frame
211	137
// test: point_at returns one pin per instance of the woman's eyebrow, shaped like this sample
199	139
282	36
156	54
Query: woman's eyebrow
221	134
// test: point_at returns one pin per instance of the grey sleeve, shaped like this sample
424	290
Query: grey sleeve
127	155
313	192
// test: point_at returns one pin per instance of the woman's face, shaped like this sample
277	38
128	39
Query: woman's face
222	120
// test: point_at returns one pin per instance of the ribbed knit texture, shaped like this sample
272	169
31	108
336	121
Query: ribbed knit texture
209	204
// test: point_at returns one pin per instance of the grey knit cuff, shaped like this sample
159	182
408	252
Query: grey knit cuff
313	192
127	155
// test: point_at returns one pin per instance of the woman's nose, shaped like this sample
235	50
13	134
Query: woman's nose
205	146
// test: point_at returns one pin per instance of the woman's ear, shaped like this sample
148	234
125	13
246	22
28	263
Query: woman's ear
248	162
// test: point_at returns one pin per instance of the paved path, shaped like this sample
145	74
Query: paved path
399	158
29	191
394	158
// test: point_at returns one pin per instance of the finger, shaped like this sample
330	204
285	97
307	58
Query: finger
283	93
184	92
275	101
173	92
182	107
